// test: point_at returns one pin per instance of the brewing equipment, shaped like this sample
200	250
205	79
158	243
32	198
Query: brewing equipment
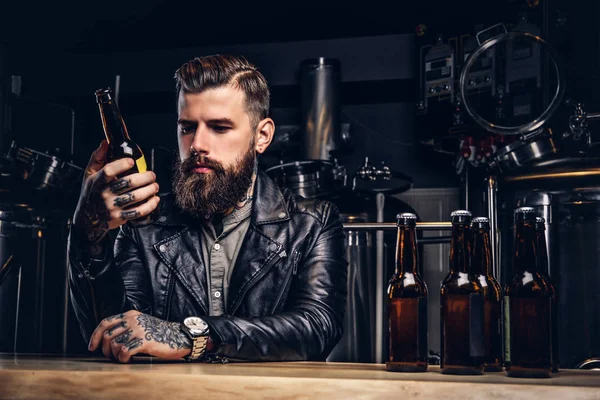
36	203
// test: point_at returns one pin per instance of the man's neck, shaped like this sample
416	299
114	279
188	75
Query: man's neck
244	200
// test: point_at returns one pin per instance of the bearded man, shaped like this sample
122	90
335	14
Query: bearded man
233	268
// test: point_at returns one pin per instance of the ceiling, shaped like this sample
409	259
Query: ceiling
111	25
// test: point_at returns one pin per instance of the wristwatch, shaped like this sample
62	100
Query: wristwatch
198	331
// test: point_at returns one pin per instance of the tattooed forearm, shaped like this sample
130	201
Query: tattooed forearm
96	219
122	324
164	332
130	214
124	337
118	185
124	200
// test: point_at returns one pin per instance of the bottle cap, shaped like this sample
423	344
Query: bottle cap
406	219
103	95
460	216
540	223
525	214
481	223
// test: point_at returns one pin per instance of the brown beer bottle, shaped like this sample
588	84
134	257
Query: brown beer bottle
407	304
528	305
540	234
481	262
120	144
461	301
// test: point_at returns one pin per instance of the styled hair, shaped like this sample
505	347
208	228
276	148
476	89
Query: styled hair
218	70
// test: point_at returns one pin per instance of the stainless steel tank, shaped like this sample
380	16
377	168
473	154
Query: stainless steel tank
566	191
320	81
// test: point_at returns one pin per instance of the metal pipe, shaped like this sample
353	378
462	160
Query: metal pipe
379	279
388	226
492	206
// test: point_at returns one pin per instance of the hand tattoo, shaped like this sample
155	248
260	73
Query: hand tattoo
124	200
118	185
123	338
164	332
130	214
96	219
122	324
134	344
117	316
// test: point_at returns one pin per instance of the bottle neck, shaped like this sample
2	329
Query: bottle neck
113	123
542	251
526	249
482	254
406	250
460	249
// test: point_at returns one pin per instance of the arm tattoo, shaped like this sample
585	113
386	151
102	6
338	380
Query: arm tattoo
118	185
123	338
133	344
96	220
122	324
125	199
164	332
130	214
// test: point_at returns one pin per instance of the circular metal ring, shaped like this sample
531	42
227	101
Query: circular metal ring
520	129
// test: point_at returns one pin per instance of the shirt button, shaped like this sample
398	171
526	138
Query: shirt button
281	215
272	247
217	247
163	248
162	219
217	294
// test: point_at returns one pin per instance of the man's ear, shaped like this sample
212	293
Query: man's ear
264	135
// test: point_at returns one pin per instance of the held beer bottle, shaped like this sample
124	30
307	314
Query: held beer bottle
540	234
461	301
407	304
120	144
528	305
481	263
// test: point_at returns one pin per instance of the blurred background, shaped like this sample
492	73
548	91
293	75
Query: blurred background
406	133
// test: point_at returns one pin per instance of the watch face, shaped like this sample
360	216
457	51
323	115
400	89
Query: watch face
196	325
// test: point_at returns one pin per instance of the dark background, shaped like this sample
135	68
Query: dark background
63	51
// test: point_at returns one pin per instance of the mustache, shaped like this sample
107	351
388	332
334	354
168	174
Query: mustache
192	162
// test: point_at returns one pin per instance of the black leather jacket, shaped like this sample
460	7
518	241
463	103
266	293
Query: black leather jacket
287	293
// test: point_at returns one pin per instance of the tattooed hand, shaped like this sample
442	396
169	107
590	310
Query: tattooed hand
106	202
124	335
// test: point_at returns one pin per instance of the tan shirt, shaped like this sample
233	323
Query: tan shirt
219	252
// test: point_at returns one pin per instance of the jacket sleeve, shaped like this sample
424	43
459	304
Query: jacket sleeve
109	284
311	324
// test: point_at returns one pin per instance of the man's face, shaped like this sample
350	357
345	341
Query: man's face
217	151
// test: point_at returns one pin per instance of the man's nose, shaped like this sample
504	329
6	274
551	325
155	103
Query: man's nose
201	144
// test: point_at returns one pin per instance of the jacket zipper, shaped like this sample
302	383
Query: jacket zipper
288	279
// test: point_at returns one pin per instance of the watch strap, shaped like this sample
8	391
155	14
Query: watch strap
198	347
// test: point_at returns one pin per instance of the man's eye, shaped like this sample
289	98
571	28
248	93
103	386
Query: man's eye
219	128
187	130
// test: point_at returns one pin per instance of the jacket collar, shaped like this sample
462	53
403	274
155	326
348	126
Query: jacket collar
268	206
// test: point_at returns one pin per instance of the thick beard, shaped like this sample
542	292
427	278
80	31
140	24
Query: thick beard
203	195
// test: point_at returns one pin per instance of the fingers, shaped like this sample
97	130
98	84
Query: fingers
142	210
124	352
112	169
106	324
97	159
134	197
129	182
110	334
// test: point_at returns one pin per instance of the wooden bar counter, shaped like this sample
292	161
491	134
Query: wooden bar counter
44	377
